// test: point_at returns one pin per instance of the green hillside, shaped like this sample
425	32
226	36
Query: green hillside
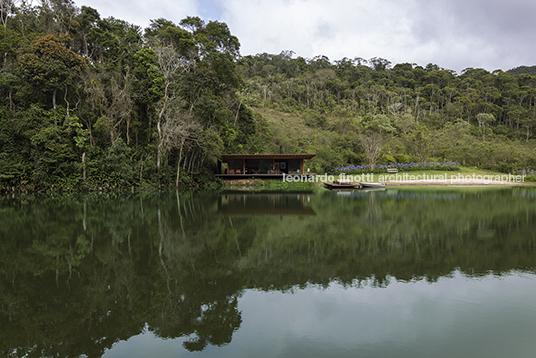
98	103
528	70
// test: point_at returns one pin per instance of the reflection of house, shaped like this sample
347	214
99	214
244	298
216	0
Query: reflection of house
236	203
261	165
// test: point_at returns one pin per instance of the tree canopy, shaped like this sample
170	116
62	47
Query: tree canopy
164	102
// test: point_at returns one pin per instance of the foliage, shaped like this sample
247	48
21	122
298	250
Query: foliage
95	103
166	101
352	114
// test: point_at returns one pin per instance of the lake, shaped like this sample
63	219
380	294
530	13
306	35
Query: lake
403	272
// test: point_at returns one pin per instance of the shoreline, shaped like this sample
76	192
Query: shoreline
424	183
481	183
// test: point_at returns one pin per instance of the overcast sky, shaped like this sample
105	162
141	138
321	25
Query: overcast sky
453	34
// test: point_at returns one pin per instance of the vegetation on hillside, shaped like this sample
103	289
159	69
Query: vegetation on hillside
362	112
529	70
93	103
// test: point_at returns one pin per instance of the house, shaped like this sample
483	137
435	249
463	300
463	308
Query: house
235	166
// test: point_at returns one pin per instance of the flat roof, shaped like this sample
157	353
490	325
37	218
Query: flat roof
267	156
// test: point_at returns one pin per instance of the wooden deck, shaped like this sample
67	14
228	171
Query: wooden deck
272	166
258	176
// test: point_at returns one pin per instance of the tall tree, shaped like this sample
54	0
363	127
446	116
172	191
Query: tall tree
372	136
172	66
50	66
484	119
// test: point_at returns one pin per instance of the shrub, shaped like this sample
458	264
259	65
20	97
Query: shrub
405	167
530	176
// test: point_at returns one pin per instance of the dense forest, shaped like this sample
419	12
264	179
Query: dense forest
98	103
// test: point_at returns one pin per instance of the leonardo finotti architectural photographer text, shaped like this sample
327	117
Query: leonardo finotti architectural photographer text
410	178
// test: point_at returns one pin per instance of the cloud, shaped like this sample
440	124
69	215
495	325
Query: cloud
310	28
141	12
315	27
454	34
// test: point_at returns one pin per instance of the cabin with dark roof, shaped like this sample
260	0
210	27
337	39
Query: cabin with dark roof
240	166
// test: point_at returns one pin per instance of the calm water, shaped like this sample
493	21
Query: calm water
395	273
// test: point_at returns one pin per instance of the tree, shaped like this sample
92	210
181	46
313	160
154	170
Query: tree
5	10
111	99
169	34
171	66
8	85
9	42
420	143
405	122
379	64
372	143
372	136
178	128
483	120
87	20
50	66
113	42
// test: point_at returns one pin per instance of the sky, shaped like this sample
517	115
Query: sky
453	34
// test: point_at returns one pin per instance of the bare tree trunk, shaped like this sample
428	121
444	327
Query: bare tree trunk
54	107
159	126
84	42
141	172
200	163
84	166
192	160
179	165
159	147
185	162
91	141
65	99
417	109
238	111
128	131
236	117
11	104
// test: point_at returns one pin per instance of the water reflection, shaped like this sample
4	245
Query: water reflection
80	273
255	203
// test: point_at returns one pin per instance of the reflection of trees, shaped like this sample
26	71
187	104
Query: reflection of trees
200	299
408	234
80	273
74	284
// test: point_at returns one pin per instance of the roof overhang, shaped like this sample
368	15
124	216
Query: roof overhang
267	156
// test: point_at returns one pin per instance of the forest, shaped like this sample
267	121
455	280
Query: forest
91	103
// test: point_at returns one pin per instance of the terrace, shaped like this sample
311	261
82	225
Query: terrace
263	166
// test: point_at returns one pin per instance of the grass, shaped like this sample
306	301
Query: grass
464	172
258	184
